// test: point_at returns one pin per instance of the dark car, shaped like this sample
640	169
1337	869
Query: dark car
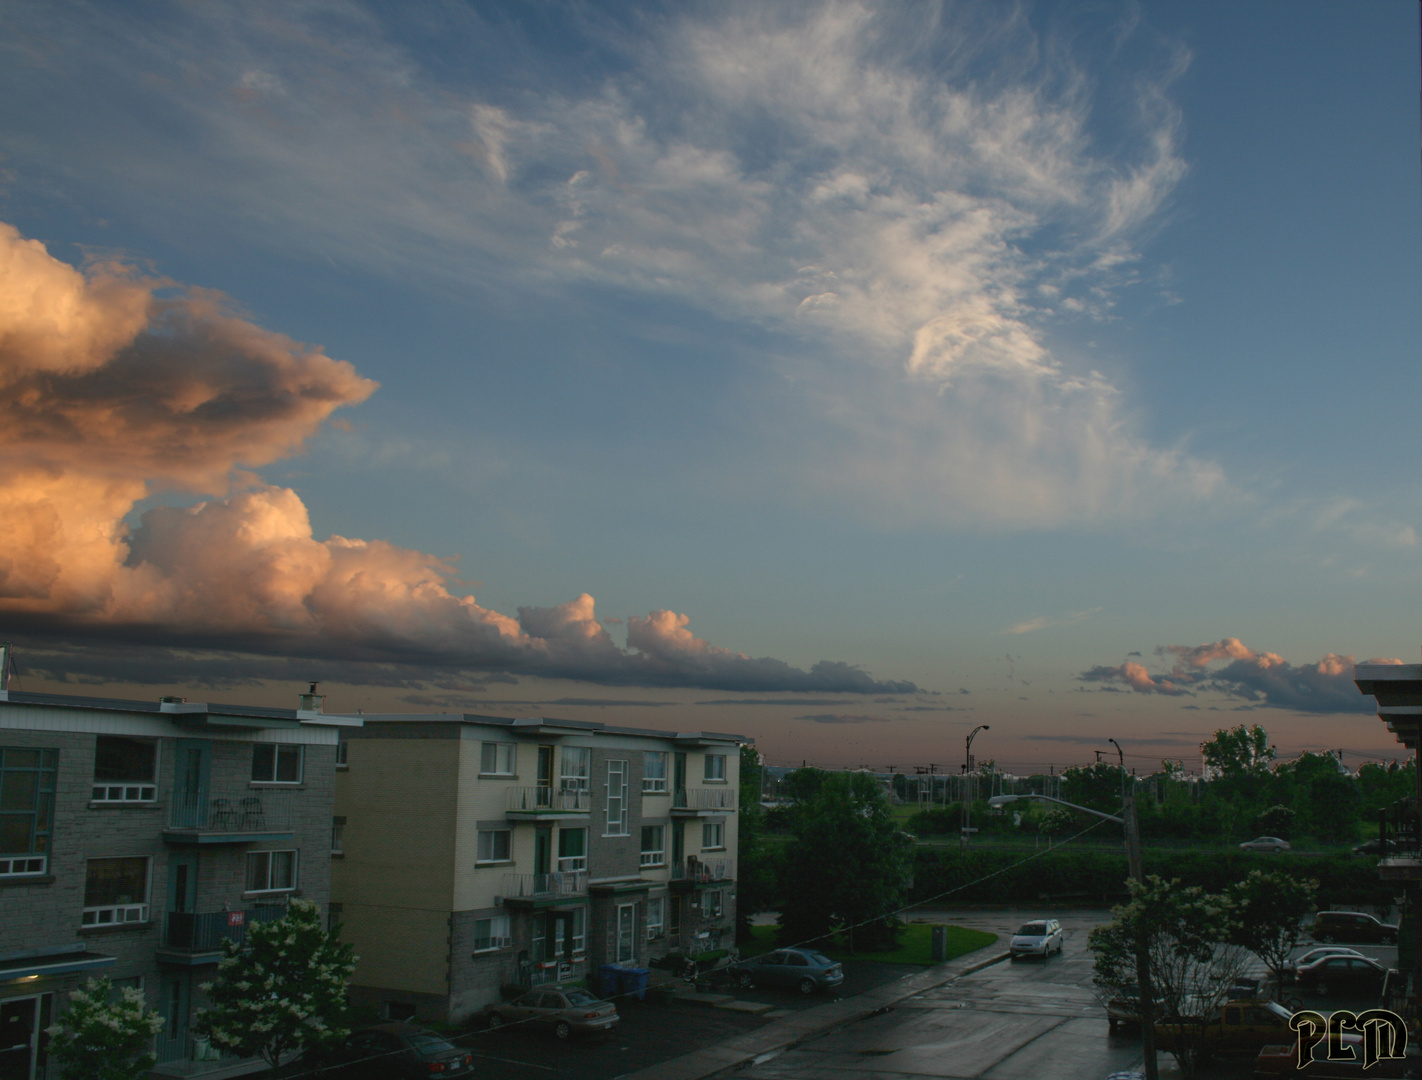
1348	976
1354	926
565	1011
1376	847
804	969
1288	967
392	1050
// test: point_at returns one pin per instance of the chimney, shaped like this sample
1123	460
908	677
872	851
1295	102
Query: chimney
311	701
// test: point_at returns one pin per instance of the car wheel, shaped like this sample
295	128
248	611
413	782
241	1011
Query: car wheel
744	981
562	1029
807	986
496	1021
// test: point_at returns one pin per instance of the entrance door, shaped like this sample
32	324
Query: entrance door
678	851
679	775
19	1037
190	784
545	776
626	933
174	991
182	883
542	850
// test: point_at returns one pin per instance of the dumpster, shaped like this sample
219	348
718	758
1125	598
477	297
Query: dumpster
633	982
607	980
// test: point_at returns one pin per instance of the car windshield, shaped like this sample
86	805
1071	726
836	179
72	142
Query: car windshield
426	1043
1033	929
581	997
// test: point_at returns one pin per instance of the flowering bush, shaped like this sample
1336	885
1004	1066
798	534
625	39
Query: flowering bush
284	989
103	1037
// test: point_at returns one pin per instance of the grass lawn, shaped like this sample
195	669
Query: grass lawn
915	945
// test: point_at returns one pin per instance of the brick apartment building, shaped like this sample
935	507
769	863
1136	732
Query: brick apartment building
134	837
479	852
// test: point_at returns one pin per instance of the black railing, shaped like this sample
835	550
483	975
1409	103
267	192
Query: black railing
263	811
205	931
1400	830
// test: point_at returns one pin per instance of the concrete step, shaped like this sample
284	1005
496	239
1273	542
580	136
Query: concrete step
694	997
744	1006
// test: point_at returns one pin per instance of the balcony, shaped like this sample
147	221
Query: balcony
182	1053
1400	842
542	890
703	802
548	803
261	815
189	935
692	872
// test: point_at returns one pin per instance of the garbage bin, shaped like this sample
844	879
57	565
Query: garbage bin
607	976
940	944
633	982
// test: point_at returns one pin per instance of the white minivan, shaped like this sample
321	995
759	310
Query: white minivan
1040	937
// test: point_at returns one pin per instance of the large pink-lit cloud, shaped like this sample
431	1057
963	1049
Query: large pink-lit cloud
1263	678
116	386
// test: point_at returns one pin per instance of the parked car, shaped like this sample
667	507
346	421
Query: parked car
1288	967
1376	847
1041	937
565	1011
1265	843
804	969
1348	976
1352	926
391	1050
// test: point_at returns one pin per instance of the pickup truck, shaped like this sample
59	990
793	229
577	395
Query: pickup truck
1242	1027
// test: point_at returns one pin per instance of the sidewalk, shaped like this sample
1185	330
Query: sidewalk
792	1030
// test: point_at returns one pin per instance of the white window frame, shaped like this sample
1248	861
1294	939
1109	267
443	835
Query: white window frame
654	856
618	815
571	863
580	932
492	934
652	784
714	773
656	917
278	751
716	832
502	756
265	877
486	851
130	789
118	914
338	836
713	904
580	778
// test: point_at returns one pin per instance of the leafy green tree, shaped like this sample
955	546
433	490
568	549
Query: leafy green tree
755	858
1324	795
1278	821
1380	785
848	865
1269	910
1095	786
1189	941
1058	820
105	1036
283	989
1238	752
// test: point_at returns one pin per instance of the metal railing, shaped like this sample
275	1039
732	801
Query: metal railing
715	798
541	886
1400	831
694	869
205	931
549	800
260	811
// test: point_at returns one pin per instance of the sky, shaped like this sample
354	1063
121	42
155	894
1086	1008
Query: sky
846	376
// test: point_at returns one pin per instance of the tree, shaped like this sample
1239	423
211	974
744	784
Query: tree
1238	752
1276	821
1097	787
103	1036
285	988
848	866
755	870
1189	941
1269	909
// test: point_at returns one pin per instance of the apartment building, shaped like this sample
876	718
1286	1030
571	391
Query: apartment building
134	837
479	852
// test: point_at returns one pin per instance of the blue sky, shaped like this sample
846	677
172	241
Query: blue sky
1046	366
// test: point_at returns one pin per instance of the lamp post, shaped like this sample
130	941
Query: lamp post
966	831
1129	823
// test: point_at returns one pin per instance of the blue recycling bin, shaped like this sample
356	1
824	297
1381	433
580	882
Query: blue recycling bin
607	976
633	982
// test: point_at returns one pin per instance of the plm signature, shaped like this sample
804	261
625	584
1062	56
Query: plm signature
1383	1035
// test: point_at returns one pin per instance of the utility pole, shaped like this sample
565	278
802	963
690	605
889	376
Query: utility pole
968	785
1137	865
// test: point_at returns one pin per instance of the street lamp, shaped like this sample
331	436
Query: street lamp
967	786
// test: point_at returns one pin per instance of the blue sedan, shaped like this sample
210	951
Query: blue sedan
804	969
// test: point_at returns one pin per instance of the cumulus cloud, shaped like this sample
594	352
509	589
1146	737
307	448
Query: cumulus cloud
115	387
1263	679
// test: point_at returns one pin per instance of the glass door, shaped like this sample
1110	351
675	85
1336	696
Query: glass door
21	1022
190	784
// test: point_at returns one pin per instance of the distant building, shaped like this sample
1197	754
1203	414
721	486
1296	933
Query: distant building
479	852
134	837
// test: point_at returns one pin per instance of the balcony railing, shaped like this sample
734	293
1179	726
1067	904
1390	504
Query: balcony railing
263	811
185	1054
1400	831
545	886
549	800
205	931
694	869
716	798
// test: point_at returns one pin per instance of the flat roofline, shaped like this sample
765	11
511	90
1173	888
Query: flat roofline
532	724
185	711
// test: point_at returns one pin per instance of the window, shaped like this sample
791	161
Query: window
333	917
656	917
580	931
125	770
654	845
491	934
273	764
715	768
572	849
713	836
115	892
654	772
577	768
271	871
494	845
711	904
626	933
616	798
26	809
342	750
497	758
338	831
